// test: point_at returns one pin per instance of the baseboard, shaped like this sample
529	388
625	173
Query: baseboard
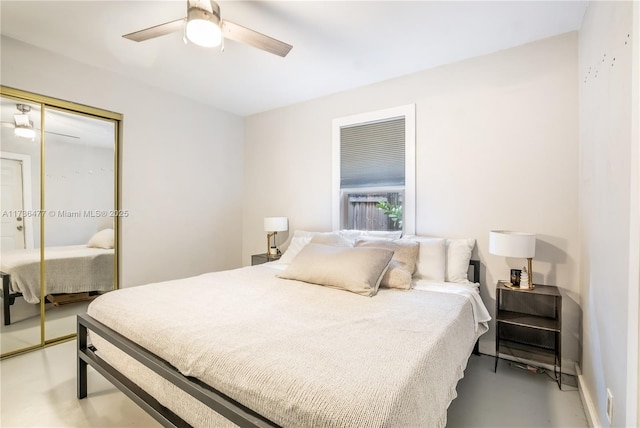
589	408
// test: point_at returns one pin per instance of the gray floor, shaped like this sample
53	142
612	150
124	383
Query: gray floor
38	390
513	398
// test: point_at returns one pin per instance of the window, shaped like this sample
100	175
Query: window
374	170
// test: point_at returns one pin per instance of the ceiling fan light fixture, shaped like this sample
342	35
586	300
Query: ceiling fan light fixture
203	28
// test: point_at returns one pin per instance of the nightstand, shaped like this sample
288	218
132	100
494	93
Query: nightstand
529	325
258	259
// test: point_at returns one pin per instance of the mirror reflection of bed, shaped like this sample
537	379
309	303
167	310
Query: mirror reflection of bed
72	202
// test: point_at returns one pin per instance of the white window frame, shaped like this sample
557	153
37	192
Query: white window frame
409	113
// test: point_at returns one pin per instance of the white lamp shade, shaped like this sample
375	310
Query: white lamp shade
276	224
512	244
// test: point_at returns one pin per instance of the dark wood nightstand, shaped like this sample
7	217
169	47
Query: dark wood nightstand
258	259
529	325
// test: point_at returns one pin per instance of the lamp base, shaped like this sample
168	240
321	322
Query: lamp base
272	249
530	274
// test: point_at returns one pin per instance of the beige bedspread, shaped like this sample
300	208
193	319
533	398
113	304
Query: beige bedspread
301	355
69	269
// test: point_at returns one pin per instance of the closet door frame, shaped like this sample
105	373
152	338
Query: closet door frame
80	109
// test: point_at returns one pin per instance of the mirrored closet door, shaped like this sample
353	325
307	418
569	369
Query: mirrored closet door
59	248
20	155
79	195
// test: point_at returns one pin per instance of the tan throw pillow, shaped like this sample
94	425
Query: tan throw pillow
358	270
401	266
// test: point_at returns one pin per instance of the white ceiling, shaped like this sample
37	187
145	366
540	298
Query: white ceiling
337	45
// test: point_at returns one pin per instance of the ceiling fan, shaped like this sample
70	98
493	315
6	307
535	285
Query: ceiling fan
204	27
23	126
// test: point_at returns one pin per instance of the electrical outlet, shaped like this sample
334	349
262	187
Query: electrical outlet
609	405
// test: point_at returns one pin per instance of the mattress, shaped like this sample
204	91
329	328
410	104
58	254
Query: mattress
69	269
300	354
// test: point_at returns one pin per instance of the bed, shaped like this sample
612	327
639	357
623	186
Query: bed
69	269
255	348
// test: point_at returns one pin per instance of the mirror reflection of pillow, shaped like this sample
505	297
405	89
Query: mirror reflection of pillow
102	239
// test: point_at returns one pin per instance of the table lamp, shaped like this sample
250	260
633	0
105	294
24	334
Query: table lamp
514	244
273	225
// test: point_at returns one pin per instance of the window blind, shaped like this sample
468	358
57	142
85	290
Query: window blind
373	154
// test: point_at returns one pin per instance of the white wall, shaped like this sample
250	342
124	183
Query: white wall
181	165
606	197
497	147
78	177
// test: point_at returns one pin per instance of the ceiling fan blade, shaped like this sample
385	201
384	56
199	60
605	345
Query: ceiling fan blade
7	124
242	34
157	31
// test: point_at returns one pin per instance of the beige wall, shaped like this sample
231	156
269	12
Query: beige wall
182	170
608	210
497	147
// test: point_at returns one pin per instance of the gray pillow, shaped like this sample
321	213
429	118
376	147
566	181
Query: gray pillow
358	270
402	265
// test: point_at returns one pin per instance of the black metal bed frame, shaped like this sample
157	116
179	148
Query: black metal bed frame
209	396
8	298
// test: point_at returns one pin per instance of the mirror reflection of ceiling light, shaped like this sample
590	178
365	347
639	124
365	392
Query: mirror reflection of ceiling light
25	132
24	126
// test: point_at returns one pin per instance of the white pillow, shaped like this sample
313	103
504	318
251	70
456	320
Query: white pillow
431	263
350	235
331	238
358	270
298	242
303	234
458	257
382	234
353	235
342	238
103	239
